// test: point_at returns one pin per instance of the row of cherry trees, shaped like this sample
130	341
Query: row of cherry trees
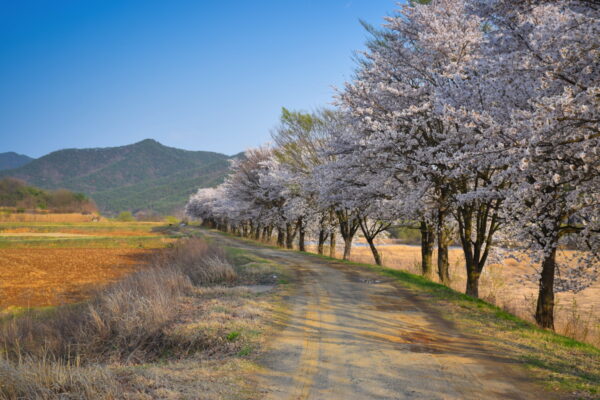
475	121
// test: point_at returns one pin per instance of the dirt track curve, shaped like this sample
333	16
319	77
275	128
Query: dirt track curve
355	335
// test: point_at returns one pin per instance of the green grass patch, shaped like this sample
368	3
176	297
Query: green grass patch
95	242
92	227
245	351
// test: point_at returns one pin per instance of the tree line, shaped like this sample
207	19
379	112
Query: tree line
475	121
16	194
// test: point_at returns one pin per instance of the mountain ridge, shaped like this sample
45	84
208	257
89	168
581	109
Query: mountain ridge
143	176
11	160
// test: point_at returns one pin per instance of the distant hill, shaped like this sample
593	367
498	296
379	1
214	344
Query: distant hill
144	176
12	160
15	194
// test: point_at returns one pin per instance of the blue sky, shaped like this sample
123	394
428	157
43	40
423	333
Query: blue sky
197	75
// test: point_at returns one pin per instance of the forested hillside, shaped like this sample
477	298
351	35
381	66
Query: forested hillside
16	194
142	176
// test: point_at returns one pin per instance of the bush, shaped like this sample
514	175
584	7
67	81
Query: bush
405	234
125	216
202	263
171	220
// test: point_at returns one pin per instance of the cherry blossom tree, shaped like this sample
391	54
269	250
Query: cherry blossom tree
398	105
552	49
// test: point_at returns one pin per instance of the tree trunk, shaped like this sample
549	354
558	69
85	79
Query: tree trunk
322	238
376	255
544	314
347	248
269	233
427	242
443	264
289	236
332	245
473	275
301	235
280	237
442	261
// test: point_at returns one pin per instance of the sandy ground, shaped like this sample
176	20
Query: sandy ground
351	334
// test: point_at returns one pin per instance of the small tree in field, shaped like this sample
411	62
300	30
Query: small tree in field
125	216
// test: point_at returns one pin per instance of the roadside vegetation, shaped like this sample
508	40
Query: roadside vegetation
155	333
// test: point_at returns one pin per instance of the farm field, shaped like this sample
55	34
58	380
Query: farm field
51	263
506	285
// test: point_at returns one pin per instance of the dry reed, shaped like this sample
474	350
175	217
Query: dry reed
58	351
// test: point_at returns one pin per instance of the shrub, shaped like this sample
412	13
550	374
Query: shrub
202	263
171	220
125	216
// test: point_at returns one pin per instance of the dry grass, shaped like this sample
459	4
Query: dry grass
202	263
155	312
47	217
127	320
46	379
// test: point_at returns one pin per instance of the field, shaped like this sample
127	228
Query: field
49	263
173	321
506	285
11	216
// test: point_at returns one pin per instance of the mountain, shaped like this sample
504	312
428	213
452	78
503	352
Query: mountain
144	176
12	160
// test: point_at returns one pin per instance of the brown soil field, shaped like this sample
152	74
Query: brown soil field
31	277
74	232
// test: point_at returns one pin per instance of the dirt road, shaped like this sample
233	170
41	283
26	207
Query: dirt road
352	334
